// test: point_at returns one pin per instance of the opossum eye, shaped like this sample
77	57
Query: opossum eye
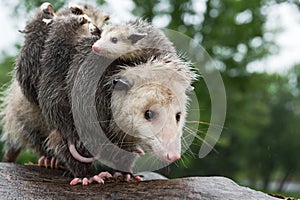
178	115
149	115
114	40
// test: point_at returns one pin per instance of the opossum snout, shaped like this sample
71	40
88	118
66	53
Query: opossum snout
96	48
171	157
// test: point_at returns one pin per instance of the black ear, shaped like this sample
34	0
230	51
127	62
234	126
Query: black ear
121	84
189	89
136	37
106	18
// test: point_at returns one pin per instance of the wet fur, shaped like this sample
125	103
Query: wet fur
23	124
27	66
64	55
155	43
19	130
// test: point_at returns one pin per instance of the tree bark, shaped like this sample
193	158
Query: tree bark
32	182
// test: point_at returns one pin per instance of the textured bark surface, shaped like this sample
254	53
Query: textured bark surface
32	182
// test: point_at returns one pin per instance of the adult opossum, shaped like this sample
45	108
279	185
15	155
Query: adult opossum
146	111
136	39
138	109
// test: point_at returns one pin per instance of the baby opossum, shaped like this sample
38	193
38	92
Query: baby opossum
98	18
66	31
28	71
133	40
27	66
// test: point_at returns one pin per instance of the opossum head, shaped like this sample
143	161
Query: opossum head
149	104
118	40
97	17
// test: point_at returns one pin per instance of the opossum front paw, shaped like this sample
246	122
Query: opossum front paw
52	163
97	178
127	177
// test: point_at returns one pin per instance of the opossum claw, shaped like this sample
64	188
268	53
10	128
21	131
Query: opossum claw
97	178
75	181
41	161
44	161
127	177
52	163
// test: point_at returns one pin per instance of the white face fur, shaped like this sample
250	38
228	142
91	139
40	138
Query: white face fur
153	114
117	41
153	110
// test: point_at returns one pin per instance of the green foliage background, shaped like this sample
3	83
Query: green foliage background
260	141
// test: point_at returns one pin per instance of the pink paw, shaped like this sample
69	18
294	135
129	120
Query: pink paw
52	163
128	177
97	178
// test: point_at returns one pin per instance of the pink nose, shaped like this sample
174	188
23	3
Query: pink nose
172	158
96	48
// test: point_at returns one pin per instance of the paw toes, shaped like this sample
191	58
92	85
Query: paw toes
41	161
137	178
85	181
127	177
117	175
104	175
98	179
75	181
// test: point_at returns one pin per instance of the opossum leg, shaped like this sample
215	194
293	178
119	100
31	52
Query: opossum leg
97	178
48	162
127	177
11	154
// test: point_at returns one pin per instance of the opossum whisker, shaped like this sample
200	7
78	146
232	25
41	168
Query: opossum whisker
193	133
183	162
207	123
196	132
201	139
187	148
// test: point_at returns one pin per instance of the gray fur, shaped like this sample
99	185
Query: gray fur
66	51
27	66
23	125
143	41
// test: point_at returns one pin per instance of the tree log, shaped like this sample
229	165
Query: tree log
32	182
